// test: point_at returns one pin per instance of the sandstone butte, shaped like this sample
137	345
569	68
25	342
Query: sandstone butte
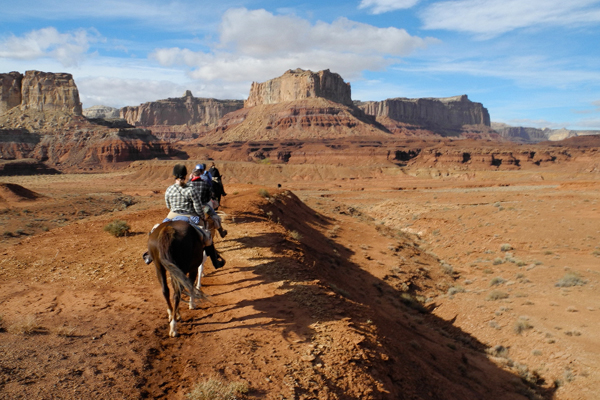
299	117
41	119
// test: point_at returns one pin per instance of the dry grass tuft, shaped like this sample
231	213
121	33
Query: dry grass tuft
26	326
496	295
217	389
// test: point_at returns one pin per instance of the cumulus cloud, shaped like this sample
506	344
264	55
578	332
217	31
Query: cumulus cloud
488	18
259	44
383	6
67	48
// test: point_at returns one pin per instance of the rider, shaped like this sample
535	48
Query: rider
184	202
202	189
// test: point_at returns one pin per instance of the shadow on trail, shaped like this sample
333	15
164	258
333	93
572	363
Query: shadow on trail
388	334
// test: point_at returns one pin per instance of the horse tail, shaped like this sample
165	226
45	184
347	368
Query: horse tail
178	278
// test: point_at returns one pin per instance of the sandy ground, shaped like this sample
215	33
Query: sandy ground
470	285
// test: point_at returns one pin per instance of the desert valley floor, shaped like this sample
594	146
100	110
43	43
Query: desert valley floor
417	284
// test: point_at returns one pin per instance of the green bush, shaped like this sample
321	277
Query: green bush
117	228
263	193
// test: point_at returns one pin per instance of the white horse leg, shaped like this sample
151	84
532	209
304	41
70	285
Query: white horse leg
201	271
173	328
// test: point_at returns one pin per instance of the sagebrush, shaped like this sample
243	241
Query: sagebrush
118	228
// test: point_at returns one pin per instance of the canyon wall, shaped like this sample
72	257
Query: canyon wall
186	110
39	91
299	84
442	113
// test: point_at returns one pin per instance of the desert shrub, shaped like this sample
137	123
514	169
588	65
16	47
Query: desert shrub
295	235
506	247
497	281
496	295
217	389
412	302
498	351
65	331
521	325
26	326
264	193
570	279
498	261
456	289
117	228
447	268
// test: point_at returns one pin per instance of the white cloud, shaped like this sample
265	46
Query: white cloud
527	71
67	48
489	18
256	45
383	6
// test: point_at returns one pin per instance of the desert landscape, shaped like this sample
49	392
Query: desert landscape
371	254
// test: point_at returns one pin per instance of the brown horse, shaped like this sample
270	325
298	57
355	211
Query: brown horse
176	247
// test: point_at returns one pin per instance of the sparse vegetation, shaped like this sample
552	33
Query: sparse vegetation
447	268
496	295
217	389
264	193
117	228
570	279
497	281
295	235
522	325
506	247
26	326
498	261
65	331
455	289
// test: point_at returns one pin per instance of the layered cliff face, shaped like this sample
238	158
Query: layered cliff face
101	112
447	116
39	91
522	134
41	119
299	84
187	110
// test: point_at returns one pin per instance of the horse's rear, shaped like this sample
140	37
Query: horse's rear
176	247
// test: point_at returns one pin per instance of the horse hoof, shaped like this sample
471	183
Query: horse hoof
173	334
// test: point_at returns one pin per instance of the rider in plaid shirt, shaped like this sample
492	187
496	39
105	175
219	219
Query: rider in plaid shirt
183	200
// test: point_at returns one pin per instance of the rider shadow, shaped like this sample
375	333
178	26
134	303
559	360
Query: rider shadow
412	349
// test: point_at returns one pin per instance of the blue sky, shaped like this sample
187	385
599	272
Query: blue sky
531	63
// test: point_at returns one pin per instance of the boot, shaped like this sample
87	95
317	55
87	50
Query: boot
222	232
216	259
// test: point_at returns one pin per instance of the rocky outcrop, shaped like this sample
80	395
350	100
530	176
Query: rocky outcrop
299	84
39	91
47	91
447	116
523	135
101	112
187	110
315	118
10	91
